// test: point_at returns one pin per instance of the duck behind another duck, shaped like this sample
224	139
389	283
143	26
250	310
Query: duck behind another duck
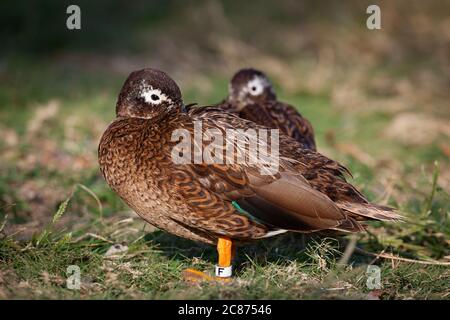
251	96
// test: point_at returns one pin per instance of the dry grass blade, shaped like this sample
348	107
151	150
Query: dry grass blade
92	235
349	249
90	192
392	257
433	188
4	223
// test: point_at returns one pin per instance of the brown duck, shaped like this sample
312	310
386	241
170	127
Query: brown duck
218	203
252	97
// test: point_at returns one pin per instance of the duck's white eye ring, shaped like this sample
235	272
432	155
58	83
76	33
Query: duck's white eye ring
153	96
255	87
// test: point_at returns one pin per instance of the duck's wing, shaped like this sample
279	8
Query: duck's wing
231	198
234	201
283	116
322	173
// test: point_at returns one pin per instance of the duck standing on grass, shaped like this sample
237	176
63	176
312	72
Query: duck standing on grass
251	96
219	203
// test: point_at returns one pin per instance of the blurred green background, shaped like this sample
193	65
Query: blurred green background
378	100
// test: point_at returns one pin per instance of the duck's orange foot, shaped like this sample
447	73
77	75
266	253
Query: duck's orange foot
223	270
195	276
192	275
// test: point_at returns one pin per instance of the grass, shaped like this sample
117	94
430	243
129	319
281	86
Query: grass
57	211
152	266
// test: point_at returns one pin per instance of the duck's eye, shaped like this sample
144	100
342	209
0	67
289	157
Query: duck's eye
154	96
255	87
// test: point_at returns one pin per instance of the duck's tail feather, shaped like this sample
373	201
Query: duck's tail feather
350	225
370	211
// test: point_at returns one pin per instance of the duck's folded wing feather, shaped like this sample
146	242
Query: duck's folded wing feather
290	203
280	115
305	195
281	201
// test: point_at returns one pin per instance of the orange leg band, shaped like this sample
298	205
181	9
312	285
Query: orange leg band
226	250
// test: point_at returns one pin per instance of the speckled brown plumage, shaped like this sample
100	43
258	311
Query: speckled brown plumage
199	201
251	96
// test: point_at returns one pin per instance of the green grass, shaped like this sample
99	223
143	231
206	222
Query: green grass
152	269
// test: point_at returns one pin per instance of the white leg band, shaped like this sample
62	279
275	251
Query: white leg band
224	272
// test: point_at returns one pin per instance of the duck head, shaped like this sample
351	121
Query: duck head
250	86
148	93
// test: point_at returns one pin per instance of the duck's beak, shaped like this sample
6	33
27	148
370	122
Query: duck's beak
186	107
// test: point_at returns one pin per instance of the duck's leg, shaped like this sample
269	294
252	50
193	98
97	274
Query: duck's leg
226	250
